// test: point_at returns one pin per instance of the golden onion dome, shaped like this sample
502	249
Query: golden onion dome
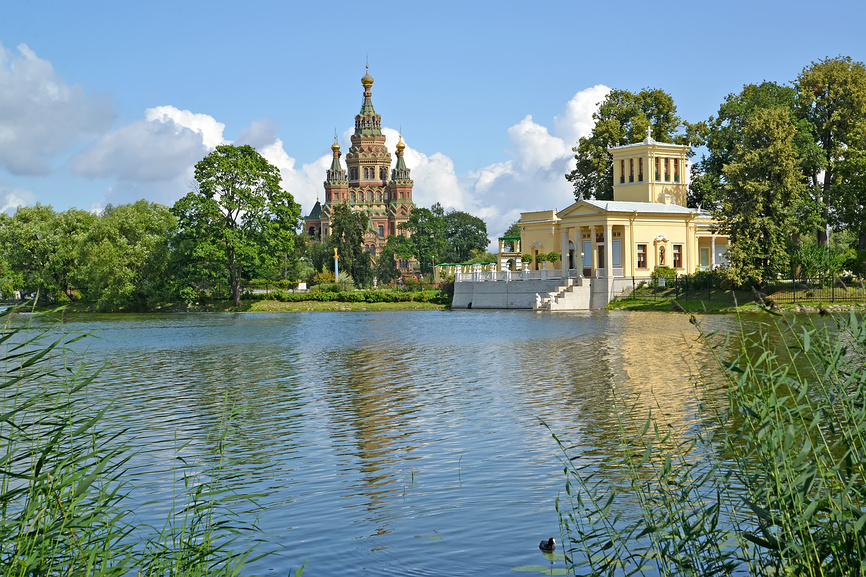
367	80
335	147
400	145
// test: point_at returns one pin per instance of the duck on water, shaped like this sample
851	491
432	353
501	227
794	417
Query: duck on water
547	545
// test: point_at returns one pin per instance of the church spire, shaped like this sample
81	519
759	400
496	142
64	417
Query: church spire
336	172
368	122
400	172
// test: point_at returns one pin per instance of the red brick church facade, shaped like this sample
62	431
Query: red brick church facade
369	184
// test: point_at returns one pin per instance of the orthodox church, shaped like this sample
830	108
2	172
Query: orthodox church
368	184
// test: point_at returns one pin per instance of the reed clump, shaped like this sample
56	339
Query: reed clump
772	481
63	499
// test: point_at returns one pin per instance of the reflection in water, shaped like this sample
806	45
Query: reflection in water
390	442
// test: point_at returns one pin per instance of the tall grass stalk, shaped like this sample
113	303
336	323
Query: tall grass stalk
773	482
63	499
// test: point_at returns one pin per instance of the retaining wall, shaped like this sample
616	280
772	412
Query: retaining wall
519	294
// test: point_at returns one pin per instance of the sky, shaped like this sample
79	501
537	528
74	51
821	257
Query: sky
112	102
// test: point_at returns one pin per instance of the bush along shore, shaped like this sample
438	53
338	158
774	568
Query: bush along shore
63	497
768	480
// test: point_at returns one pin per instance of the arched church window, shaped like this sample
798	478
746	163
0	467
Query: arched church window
622	170
631	169
676	170
658	173
640	169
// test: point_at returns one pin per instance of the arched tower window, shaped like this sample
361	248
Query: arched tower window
676	170
622	171
631	169
640	169
658	173
667	168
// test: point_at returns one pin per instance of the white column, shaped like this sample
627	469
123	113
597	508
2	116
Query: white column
608	250
712	252
564	258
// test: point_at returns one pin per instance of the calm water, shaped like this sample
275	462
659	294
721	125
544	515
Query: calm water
389	443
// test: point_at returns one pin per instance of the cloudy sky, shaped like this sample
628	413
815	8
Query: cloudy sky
111	102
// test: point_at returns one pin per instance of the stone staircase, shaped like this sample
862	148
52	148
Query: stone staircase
572	297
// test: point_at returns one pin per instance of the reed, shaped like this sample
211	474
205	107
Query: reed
771	483
64	508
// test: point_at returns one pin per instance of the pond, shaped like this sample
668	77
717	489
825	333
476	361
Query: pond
389	443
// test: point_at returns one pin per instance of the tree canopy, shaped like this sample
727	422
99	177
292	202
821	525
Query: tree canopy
239	213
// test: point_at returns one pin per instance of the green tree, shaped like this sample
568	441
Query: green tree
239	211
723	135
347	236
464	234
427	235
41	248
622	118
764	187
849	194
832	99
396	247
123	259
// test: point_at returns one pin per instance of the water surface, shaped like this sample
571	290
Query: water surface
389	443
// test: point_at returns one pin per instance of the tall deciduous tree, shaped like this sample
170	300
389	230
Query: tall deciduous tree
622	118
240	210
465	234
347	236
764	187
832	98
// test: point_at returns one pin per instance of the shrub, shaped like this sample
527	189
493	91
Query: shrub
325	276
526	258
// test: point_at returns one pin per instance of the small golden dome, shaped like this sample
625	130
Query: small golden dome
367	80
335	147
400	145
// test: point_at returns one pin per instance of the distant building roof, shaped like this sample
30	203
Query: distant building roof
317	211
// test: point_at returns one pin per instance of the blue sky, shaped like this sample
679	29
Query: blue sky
111	102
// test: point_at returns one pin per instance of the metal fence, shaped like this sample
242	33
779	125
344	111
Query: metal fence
829	289
790	290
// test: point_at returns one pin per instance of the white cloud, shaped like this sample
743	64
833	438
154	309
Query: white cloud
143	151
576	120
535	148
42	117
207	127
305	185
11	199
